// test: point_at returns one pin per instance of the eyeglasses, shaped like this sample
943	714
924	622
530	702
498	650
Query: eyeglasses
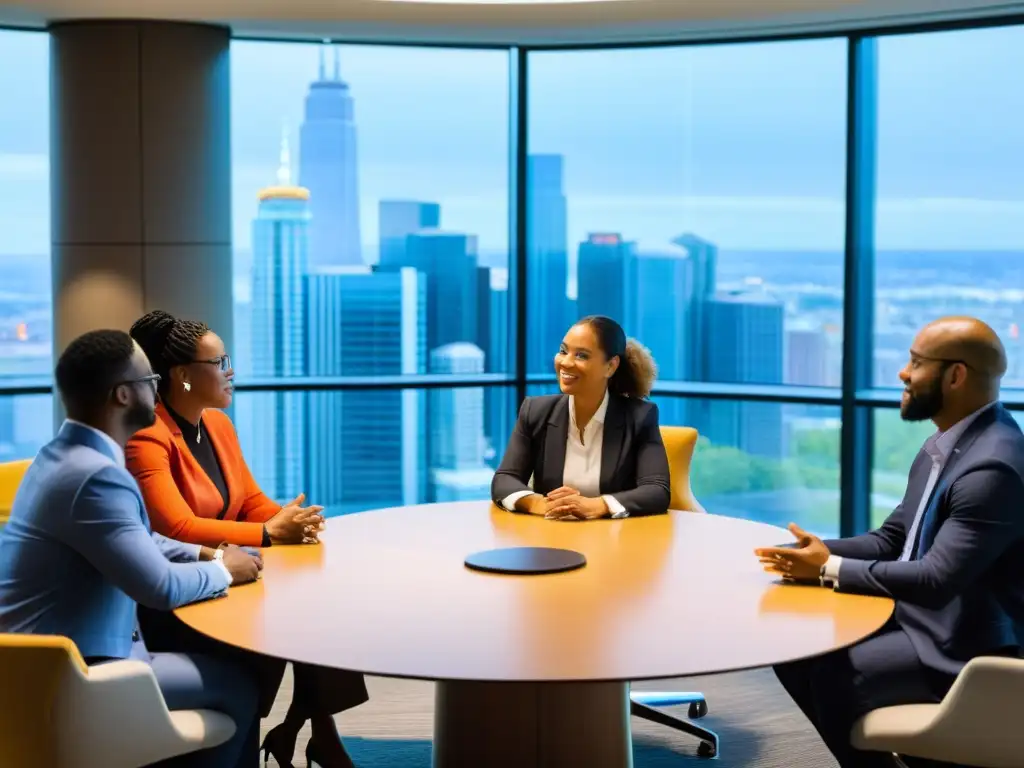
223	362
915	359
152	379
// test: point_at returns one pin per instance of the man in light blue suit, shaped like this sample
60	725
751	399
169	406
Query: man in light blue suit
78	553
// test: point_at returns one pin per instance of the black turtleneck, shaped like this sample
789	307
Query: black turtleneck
198	442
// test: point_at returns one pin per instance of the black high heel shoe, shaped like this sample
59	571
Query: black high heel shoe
271	746
313	755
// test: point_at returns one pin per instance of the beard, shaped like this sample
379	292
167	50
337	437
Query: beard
141	415
923	405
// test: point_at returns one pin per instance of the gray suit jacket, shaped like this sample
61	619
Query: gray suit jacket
78	552
962	594
634	466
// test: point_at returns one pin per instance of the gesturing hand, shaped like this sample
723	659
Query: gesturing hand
801	563
296	524
575	507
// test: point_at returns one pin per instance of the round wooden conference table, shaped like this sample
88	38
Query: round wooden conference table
533	670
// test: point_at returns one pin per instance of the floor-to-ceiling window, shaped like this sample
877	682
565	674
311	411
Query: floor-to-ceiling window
25	308
371	215
696	194
948	238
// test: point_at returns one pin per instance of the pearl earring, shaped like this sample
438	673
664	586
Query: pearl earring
188	387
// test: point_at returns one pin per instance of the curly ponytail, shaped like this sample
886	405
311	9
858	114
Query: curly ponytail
637	370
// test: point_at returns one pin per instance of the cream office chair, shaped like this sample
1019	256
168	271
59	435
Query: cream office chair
977	723
54	710
11	473
679	445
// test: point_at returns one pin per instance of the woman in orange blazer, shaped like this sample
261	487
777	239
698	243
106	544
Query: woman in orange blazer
198	489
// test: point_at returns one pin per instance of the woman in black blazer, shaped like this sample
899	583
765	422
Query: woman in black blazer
595	450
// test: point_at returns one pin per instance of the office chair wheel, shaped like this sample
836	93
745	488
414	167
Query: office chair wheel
697	710
705	749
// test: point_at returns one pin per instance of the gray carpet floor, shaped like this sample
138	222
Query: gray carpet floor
757	723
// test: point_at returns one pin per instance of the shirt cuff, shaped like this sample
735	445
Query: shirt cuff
199	550
227	573
509	502
615	507
830	574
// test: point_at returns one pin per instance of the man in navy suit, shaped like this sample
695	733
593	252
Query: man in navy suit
951	555
78	553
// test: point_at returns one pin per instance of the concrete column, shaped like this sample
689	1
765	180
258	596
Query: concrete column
140	174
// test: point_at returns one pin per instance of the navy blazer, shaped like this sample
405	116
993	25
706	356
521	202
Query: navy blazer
78	553
963	594
634	466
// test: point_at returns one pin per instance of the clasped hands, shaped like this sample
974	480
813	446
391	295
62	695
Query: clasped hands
296	524
566	503
800	563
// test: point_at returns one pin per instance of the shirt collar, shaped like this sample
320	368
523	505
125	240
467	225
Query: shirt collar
597	418
187	429
940	445
117	450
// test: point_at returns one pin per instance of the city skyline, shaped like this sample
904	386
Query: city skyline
456	313
723	175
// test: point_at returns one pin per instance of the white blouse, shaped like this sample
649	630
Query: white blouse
582	469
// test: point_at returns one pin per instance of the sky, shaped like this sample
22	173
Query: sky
743	144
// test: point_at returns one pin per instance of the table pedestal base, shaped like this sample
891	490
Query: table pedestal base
546	725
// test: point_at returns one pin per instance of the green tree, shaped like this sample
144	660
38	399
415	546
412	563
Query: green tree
897	442
720	470
809	481
727	470
821	444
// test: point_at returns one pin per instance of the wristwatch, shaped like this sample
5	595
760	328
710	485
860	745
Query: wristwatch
823	579
218	554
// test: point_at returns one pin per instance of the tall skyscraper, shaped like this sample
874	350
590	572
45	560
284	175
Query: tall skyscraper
659	313
547	268
603	276
457	445
497	400
704	257
449	260
806	357
397	219
280	252
745	346
327	168
493	363
370	446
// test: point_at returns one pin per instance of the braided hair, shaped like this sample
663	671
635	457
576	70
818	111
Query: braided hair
167	342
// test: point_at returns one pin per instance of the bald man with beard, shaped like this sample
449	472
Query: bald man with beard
951	554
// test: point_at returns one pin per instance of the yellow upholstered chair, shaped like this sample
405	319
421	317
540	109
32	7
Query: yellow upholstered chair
679	445
54	710
11	473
